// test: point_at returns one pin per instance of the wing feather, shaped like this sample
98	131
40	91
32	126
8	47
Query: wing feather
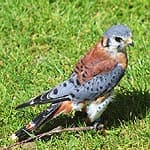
96	61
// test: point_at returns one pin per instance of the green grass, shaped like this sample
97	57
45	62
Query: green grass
40	41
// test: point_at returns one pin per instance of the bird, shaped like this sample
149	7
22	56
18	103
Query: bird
91	85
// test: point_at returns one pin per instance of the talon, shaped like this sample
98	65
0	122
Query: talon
100	127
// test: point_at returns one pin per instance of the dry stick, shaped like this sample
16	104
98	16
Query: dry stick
55	130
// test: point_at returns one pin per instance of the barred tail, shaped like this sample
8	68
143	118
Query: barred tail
25	132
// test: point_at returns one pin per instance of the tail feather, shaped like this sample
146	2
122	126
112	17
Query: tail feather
25	132
42	99
32	102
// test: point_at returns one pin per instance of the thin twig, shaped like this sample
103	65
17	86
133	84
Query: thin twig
59	129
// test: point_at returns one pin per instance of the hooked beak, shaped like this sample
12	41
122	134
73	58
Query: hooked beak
129	42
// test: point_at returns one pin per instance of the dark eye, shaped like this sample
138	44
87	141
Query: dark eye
118	39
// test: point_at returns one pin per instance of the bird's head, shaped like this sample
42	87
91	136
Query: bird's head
117	38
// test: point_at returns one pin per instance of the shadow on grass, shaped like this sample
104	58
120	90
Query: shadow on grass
125	108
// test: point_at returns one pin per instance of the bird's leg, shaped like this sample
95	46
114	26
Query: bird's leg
95	110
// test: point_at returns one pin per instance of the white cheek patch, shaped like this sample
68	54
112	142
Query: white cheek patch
94	110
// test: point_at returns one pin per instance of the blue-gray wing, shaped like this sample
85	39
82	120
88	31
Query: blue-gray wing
90	90
71	89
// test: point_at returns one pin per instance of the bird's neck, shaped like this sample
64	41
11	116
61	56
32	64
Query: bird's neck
112	52
120	57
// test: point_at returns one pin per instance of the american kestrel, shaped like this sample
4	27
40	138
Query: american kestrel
90	87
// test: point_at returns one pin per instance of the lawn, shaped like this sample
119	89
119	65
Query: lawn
40	43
